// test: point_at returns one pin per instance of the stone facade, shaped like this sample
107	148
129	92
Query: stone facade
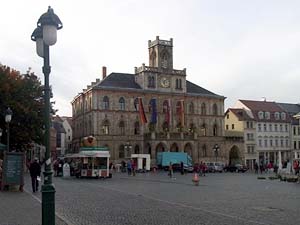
109	111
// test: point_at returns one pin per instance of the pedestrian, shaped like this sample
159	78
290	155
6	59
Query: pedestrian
129	167
204	168
133	167
182	168
170	170
261	167
296	167
256	167
35	172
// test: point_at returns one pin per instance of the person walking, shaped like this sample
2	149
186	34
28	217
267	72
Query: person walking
182	168
35	172
129	167
256	168
171	170
133	167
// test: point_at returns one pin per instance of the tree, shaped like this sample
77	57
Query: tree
23	93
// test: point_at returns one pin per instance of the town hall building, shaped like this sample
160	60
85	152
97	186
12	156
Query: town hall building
153	110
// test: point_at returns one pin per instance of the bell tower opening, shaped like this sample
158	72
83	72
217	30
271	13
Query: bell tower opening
161	53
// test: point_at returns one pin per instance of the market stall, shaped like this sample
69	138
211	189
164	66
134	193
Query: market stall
91	162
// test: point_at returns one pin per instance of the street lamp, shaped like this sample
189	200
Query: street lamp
216	150
45	35
0	134
8	115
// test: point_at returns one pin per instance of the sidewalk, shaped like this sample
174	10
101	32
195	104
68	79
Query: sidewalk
21	208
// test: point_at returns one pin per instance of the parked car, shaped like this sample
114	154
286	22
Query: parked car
236	168
213	167
219	167
210	167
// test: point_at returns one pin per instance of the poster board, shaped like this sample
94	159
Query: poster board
13	169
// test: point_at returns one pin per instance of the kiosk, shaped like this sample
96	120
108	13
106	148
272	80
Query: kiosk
92	162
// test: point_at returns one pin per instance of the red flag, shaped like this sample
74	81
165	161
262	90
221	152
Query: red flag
142	112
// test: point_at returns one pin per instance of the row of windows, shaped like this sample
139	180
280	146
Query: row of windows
296	130
105	128
295	145
273	143
267	115
271	128
105	105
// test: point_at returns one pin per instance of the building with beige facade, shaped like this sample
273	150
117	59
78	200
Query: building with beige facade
177	115
266	127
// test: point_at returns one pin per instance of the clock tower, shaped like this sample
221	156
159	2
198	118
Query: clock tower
161	53
160	75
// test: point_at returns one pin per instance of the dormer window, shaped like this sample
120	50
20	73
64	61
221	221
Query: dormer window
277	117
283	116
260	115
267	115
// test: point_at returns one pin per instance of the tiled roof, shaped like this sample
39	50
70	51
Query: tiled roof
126	80
240	114
292	109
195	89
119	80
264	106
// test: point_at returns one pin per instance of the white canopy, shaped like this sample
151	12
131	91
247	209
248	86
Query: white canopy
84	154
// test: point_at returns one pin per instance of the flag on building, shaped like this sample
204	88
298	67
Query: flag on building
153	111
181	113
142	112
168	111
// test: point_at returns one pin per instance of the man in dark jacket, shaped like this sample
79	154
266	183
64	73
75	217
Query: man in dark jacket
35	171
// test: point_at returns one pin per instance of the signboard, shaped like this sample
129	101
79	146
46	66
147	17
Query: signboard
13	169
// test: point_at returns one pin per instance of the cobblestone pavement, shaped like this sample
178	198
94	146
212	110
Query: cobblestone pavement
20	208
228	198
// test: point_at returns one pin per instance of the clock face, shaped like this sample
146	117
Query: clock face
165	82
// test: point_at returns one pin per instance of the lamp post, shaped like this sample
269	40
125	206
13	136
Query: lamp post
8	115
45	35
216	150
0	134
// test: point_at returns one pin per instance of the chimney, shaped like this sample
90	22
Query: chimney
103	72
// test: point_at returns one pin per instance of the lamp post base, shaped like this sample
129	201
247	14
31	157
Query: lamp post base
48	204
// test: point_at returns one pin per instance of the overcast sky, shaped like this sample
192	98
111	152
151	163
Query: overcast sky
239	49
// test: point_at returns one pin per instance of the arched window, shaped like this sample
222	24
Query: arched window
260	115
283	116
165	106
105	102
151	82
121	152
203	130
136	149
136	104
122	103
204	153
122	127
191	108
215	110
136	127
215	130
105	127
203	109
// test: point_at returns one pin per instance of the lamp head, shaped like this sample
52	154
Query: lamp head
50	23
8	114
